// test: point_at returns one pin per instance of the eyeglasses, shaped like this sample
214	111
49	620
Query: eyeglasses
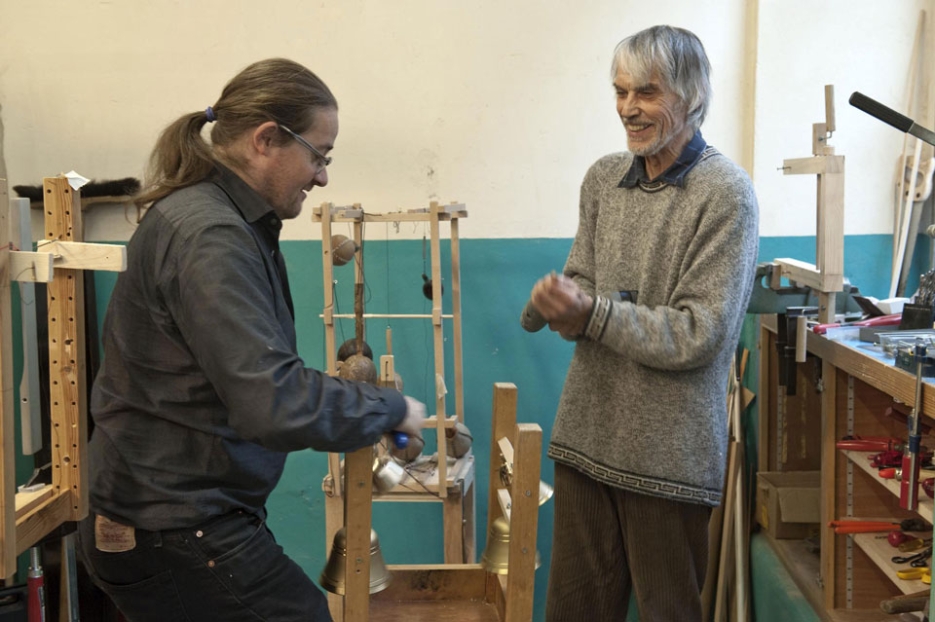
323	160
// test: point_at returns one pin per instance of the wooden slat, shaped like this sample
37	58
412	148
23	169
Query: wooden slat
469	541
439	338
813	166
334	520
86	256
357	514
763	404
26	502
808	274
30	267
68	388
523	522
881	553
830	237
37	524
456	321
446	213
828	478
453	525
504	424
7	451
435	582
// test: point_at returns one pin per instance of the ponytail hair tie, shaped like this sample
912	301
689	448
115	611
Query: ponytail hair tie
209	114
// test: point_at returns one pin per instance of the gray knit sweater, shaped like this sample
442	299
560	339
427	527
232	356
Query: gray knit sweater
644	407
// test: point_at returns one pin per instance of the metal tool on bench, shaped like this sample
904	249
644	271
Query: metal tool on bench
869	443
920	313
789	342
916	560
909	484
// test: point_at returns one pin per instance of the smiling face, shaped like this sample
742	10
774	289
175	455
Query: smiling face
655	119
293	170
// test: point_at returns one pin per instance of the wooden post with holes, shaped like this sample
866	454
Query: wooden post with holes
27	517
66	352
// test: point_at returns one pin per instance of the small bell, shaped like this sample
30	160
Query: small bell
332	577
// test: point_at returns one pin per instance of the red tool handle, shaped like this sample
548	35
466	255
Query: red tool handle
35	604
881	320
865	445
863	528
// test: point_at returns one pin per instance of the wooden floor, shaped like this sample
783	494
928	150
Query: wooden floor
433	611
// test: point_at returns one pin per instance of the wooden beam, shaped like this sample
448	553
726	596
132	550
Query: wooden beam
8	448
439	337
504	424
357	515
814	165
808	274
86	256
26	502
447	212
29	267
524	522
68	386
37	524
829	457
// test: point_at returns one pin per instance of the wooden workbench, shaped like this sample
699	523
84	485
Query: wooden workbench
844	387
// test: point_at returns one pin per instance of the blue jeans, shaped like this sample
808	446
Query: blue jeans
228	569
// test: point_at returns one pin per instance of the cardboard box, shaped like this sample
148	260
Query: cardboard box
789	503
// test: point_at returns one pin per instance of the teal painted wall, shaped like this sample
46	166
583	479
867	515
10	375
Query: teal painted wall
497	275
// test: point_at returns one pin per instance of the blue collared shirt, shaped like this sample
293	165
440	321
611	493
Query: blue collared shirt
674	175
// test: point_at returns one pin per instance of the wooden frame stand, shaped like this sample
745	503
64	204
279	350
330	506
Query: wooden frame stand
826	276
454	592
450	484
27	517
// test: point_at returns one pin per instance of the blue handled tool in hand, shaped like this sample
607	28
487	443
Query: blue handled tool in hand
400	439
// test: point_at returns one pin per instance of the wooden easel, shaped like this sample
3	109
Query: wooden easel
454	486
826	276
25	518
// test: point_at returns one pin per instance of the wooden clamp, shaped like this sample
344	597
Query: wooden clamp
827	274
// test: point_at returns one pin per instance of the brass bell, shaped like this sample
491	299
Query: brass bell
506	478
332	578
545	492
496	557
387	474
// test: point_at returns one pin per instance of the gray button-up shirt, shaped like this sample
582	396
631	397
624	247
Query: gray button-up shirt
202	391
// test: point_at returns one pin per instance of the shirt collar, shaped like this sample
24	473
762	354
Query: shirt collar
675	174
248	201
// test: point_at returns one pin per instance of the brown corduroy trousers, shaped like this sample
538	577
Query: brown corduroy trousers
608	542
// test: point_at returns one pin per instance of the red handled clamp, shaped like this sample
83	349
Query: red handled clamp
880	320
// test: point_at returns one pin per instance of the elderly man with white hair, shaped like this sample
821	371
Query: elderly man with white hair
654	293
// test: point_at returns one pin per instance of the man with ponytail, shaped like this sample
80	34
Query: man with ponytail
202	393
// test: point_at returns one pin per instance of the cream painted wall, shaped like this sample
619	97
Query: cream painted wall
500	105
856	46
